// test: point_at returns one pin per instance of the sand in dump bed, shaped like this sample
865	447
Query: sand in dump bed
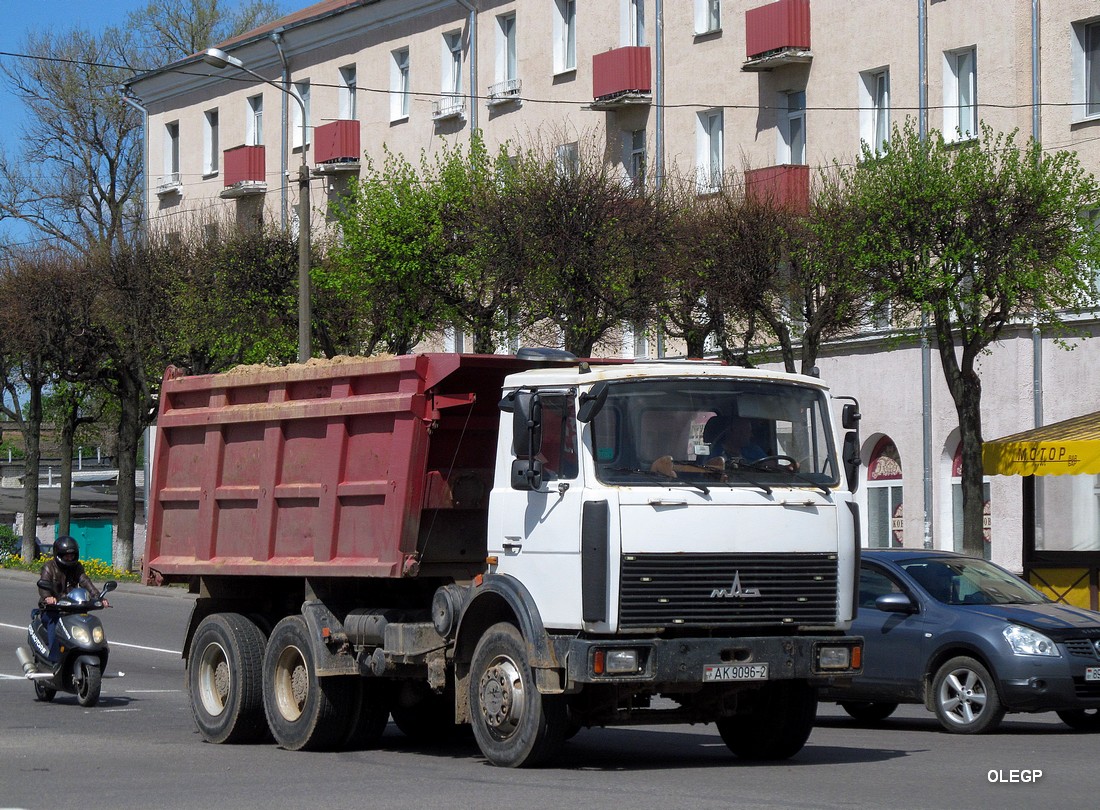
340	359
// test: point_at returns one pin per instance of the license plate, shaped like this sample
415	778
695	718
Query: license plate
738	672
1092	673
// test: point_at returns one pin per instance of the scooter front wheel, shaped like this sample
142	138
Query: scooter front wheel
43	692
89	683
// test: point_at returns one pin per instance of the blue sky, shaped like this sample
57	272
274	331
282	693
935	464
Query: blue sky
23	16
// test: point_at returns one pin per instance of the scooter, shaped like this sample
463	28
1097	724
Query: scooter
81	644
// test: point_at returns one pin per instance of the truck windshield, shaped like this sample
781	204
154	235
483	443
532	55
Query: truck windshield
714	432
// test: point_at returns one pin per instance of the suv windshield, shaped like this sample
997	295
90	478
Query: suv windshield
714	431
971	582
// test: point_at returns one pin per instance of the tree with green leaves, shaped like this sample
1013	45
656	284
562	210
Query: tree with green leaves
387	263
586	243
976	235
47	307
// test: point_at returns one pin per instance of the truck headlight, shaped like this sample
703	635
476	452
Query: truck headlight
615	662
839	657
1025	641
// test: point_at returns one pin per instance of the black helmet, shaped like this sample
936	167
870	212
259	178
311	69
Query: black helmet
66	551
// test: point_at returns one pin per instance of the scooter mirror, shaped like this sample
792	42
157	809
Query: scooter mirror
45	583
108	586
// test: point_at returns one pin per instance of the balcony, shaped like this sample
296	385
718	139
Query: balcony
621	77
505	92
777	34
449	107
169	184
245	171
785	186
336	147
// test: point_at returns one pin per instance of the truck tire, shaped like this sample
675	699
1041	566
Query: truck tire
424	715
372	713
776	726
304	712
224	679
513	724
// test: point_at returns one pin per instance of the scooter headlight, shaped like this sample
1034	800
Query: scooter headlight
98	635
80	635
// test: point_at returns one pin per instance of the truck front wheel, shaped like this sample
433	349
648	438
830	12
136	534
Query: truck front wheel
305	712
224	681
777	724
513	724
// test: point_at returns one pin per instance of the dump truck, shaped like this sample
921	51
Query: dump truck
529	545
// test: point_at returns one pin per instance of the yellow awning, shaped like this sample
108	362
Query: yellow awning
1071	447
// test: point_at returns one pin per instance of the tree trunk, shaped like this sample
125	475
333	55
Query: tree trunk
31	427
966	390
65	496
129	435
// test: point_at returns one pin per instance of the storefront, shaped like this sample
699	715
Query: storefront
1060	466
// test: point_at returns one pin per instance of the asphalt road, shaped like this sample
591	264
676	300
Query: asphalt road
138	749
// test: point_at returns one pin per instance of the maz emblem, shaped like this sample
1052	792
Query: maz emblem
735	591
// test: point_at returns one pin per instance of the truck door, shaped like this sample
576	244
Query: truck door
535	533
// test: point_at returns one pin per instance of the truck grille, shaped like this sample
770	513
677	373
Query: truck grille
728	590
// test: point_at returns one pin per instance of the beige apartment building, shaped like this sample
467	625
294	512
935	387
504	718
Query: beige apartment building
743	90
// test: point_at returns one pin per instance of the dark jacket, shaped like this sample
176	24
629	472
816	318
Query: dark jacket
64	580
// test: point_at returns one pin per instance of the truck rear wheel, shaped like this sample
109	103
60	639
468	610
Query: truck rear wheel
224	679
776	726
372	712
304	712
514	725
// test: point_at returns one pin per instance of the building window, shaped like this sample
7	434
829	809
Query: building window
349	110
399	85
885	515
211	155
451	78
565	35
709	151
634	22
792	128
874	108
1086	69
296	115
960	89
708	16
254	125
634	159
567	160
172	152
507	67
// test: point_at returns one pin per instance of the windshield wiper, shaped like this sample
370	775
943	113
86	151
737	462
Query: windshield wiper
663	478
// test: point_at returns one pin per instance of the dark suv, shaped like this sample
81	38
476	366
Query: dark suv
970	641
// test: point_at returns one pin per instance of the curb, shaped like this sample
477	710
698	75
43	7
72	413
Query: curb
173	592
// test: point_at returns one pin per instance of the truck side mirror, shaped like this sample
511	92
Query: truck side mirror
851	458
850	416
526	424
592	401
527	473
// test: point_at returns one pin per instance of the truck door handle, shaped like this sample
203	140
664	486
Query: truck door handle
511	544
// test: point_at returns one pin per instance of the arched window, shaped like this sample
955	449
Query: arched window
957	505
885	527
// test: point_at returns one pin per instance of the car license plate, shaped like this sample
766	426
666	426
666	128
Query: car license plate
1092	673
736	672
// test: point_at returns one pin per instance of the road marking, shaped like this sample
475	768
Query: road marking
151	691
112	643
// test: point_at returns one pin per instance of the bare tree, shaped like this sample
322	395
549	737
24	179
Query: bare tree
174	29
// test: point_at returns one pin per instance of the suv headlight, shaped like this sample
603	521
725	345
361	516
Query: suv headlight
1025	641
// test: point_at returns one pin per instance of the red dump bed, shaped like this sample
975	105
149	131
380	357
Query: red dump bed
350	467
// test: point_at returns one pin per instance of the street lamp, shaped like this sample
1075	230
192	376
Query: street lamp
216	57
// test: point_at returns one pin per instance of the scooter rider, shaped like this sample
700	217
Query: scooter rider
64	572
